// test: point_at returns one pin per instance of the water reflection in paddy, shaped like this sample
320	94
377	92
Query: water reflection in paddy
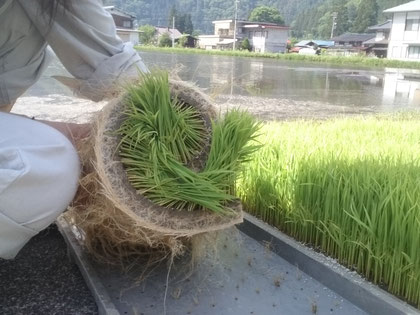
271	89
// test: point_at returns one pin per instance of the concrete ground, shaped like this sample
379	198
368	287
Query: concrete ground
43	280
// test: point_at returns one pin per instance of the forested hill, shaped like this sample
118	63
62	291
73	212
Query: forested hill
307	17
156	12
352	16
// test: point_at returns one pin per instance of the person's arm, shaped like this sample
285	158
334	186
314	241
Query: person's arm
83	36
74	132
6	108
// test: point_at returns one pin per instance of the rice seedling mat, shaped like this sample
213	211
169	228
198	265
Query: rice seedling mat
248	277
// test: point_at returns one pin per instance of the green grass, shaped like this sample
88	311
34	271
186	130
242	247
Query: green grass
348	187
161	135
336	60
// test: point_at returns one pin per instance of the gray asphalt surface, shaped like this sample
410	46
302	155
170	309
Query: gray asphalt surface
42	280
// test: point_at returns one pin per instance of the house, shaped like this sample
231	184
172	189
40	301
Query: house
350	44
223	36
172	32
404	40
266	37
263	37
378	46
191	41
125	25
351	40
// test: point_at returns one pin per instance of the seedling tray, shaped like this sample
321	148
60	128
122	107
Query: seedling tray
246	275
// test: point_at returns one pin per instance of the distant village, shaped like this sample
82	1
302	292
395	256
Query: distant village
397	38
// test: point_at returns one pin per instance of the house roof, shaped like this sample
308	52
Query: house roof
407	7
208	36
162	30
262	23
353	37
227	21
126	30
383	26
227	41
266	25
373	41
113	10
304	43
322	43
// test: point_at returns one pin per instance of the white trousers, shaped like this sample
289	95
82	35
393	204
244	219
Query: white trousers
39	171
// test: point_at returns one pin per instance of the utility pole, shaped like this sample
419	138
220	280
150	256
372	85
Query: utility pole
334	24
173	32
234	26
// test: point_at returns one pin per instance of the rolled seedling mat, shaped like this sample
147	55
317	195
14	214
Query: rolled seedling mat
117	221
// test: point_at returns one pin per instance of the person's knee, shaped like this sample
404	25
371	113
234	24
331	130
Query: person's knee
39	172
60	181
45	179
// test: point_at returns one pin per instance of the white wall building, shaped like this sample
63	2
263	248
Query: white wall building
129	35
223	36
263	37
124	23
404	42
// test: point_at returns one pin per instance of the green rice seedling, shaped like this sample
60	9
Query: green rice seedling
159	137
350	188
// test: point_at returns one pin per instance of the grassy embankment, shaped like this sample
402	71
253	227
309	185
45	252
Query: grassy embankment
338	60
348	187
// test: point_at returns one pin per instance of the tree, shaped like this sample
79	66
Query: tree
367	15
180	23
172	14
189	27
266	14
324	26
304	14
165	40
352	11
183	22
182	41
147	34
343	22
245	45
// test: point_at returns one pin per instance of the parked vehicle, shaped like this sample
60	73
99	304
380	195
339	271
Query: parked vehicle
309	51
